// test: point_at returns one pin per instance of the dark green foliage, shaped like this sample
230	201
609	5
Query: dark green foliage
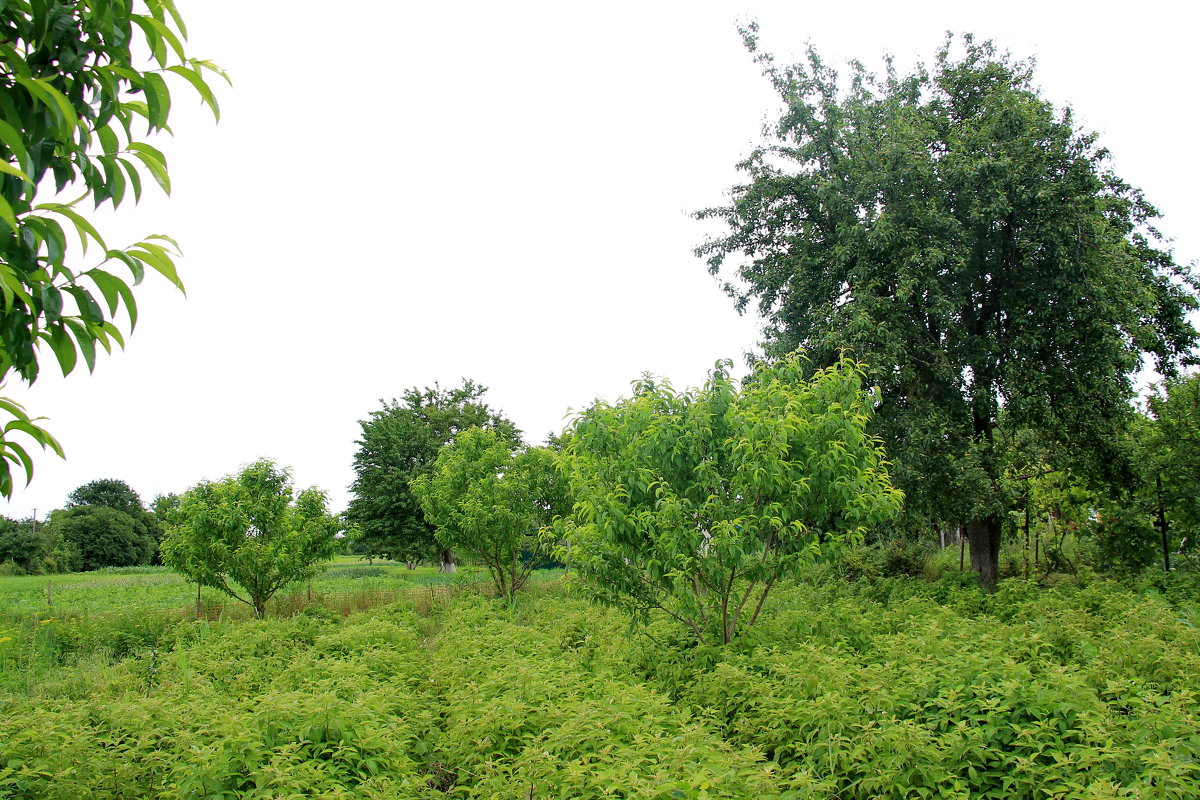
400	442
108	492
103	537
73	95
963	238
118	495
22	546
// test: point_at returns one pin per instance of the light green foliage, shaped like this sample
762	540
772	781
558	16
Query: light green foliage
894	689
78	79
698	502
967	241
250	534
912	690
494	503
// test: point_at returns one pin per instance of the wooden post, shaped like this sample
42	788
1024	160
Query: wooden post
962	550
50	593
199	606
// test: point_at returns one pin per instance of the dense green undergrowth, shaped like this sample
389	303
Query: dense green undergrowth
892	688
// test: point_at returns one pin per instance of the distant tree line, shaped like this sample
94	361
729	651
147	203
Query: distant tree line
104	524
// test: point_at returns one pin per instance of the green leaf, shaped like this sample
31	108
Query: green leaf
23	457
16	145
108	140
89	309
63	349
9	169
52	303
158	258
87	343
135	179
82	226
169	5
6	214
158	100
158	47
108	286
197	81
169	37
134	265
157	168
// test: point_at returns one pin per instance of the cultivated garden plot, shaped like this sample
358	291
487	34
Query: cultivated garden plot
892	688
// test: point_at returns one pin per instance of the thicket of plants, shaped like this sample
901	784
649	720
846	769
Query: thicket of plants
886	688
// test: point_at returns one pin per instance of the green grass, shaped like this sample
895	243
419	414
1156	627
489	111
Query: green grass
157	588
892	688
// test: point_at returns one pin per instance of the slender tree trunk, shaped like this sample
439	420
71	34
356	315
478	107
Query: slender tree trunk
1162	525
448	566
260	607
984	536
1026	549
962	550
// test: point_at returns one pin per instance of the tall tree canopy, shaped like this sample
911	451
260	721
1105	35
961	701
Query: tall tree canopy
107	492
962	237
78	79
400	442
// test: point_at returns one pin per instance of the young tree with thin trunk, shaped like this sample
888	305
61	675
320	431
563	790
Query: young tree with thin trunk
495	503
697	503
250	534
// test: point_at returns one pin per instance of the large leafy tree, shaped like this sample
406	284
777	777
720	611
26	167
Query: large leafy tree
954	231
494	502
120	496
103	537
400	442
250	534
697	503
21	545
82	82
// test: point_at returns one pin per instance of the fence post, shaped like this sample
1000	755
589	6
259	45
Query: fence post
50	593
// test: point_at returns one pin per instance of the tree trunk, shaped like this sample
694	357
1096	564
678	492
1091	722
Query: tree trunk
1026	550
448	566
260	607
1162	525
984	537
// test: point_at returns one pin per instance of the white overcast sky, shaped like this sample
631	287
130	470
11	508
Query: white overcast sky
400	193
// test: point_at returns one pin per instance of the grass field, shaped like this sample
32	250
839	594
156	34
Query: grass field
890	688
158	588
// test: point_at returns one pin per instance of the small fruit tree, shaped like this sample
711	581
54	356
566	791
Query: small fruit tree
250	534
494	502
697	503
